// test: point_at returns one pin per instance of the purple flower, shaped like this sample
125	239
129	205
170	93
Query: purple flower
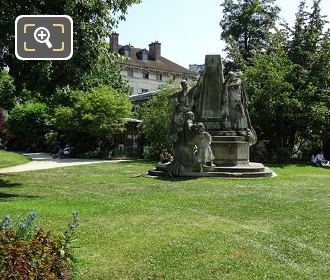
22	226
32	215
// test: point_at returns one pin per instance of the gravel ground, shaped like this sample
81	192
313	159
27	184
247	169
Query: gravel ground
41	161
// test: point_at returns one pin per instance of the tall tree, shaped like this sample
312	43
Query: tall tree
307	35
93	21
308	49
246	25
288	85
274	107
297	43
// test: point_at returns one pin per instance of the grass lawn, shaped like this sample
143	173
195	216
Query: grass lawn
144	228
11	159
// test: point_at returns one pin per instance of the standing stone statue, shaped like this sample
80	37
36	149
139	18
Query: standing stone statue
181	108
184	147
234	112
234	104
204	151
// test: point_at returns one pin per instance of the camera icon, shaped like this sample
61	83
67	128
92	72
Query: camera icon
44	37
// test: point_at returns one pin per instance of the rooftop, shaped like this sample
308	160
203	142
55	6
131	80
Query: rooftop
142	96
161	65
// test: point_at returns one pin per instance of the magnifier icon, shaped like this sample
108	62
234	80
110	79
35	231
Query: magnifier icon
41	35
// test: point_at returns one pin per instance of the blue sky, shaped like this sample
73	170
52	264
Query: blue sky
187	29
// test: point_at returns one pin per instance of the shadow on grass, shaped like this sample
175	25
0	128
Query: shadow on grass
137	161
173	179
8	184
5	196
285	165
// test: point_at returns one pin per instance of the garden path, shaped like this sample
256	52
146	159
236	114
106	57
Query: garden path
41	161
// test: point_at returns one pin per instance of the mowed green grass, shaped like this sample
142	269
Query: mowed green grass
10	159
133	227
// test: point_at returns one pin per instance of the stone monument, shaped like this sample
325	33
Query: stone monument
212	124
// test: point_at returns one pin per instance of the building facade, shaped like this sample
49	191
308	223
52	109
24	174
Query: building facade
145	69
197	68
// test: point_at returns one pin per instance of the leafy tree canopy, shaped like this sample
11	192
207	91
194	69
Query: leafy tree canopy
289	84
92	117
7	88
28	123
93	21
245	28
156	115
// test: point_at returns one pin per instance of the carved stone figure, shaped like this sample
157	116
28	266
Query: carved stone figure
233	104
204	153
184	146
181	108
234	112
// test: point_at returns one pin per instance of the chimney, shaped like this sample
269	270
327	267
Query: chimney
114	42
155	50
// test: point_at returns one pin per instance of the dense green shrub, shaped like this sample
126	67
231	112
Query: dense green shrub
30	252
91	119
3	131
7	88
156	115
10	96
28	123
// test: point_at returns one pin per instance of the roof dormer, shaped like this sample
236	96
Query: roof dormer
143	54
125	50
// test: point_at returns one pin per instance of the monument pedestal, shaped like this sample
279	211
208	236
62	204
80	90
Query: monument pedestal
230	150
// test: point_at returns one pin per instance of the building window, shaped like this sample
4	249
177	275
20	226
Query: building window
126	52
159	77
145	75
129	72
145	56
143	90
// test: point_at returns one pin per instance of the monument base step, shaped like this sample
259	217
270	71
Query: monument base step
240	168
223	133
228	138
252	170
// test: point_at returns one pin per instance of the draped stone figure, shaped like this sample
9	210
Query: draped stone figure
184	147
182	107
234	109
